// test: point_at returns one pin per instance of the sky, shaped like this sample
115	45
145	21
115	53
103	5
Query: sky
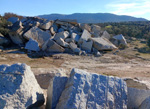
136	8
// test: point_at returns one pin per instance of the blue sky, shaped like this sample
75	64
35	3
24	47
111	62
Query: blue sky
137	8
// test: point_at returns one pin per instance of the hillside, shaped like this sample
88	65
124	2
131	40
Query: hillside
93	17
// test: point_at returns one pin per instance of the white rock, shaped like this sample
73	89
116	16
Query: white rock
103	44
62	42
84	37
19	88
46	25
75	37
52	46
121	40
85	90
74	48
106	35
87	45
32	45
85	26
63	35
38	35
96	30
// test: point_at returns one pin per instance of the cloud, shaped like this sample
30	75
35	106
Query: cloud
133	8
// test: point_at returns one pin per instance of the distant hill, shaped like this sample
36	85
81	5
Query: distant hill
93	17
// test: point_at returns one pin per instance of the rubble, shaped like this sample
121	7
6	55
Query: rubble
62	34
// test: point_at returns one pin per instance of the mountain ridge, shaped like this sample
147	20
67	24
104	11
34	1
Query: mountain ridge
92	17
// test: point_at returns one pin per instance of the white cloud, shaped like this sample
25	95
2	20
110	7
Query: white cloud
136	8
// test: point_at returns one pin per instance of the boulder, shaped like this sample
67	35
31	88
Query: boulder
3	40
85	90
13	19
16	31
103	44
96	30
145	104
52	46
120	40
87	45
32	45
74	48
19	88
62	42
38	35
84	37
75	37
68	40
85	27
70	21
55	89
106	35
63	35
46	25
60	30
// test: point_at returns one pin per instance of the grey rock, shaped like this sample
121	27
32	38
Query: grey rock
60	30
75	37
120	40
62	42
13	19
87	45
70	21
63	35
96	30
32	45
84	37
19	88
103	44
52	46
46	25
145	104
74	48
38	35
85	26
106	35
85	90
55	89
68	40
3	40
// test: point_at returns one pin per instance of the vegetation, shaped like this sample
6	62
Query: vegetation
8	15
138	29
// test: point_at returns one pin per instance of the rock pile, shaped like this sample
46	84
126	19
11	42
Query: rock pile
85	90
61	36
19	88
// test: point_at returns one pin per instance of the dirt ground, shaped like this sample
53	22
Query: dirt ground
125	64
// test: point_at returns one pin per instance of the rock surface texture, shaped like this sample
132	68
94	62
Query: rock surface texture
19	88
85	90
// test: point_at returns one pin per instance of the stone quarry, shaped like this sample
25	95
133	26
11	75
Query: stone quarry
36	34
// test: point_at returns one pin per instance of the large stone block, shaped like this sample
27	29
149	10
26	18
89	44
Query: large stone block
52	46
85	90
32	45
84	37
38	35
103	44
19	88
121	40
87	45
63	35
13	19
106	35
46	25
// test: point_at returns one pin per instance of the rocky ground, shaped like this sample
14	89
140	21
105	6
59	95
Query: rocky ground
125	63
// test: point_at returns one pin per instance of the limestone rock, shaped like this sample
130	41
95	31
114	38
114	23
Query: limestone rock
103	44
85	27
106	35
75	37
63	35
55	89
121	40
38	35
52	46
85	90
145	104
85	36
13	19
62	42
96	30
32	45
19	88
46	25
74	48
87	45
